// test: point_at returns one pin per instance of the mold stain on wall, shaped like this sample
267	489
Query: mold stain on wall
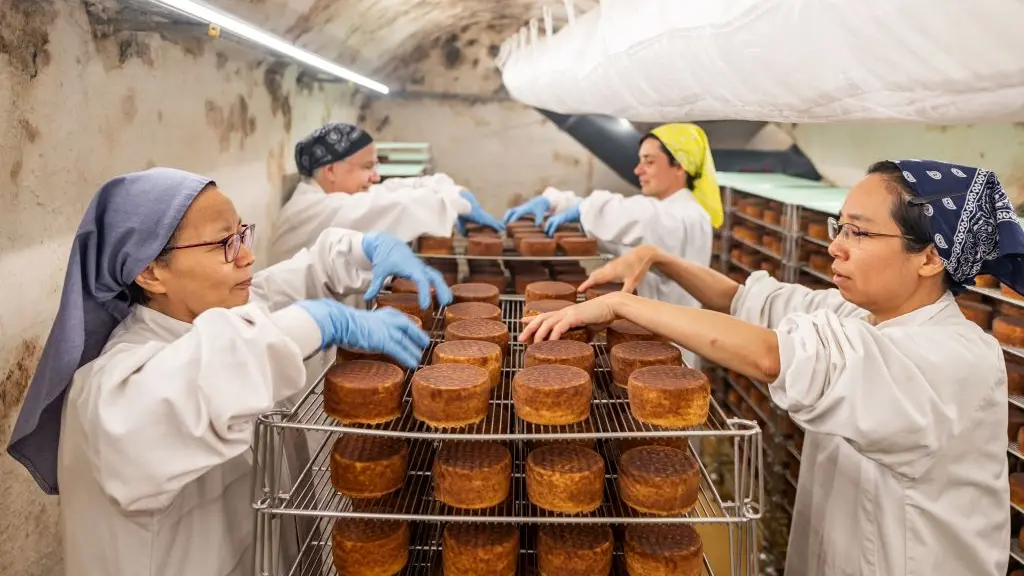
24	34
16	379
227	123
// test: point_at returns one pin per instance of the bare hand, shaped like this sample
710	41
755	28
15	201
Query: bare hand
629	269
552	325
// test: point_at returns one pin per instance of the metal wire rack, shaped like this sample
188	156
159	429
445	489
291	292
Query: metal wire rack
309	497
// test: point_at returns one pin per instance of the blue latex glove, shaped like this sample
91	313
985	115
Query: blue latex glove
392	257
536	207
477	215
385	331
572	215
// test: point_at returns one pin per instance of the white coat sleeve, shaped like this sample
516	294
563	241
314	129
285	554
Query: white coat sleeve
405	213
897	395
619	220
160	415
334	267
561	200
765	301
435	182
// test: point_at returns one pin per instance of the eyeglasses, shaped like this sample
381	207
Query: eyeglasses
848	232
232	244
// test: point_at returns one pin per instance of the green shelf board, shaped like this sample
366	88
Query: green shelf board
401	170
786	189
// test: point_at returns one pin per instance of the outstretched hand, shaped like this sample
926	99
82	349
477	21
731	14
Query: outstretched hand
629	269
552	325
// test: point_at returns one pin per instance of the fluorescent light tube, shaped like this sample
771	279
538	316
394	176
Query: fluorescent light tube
250	32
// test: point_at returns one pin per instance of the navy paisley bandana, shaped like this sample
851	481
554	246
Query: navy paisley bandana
329	144
972	221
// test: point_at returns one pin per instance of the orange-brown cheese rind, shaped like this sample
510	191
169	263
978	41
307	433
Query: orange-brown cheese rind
663	550
1017	488
563	352
472	475
977	312
574	550
621	331
474	549
485	355
363	392
368	466
483	330
578	246
552	395
369	547
471	311
450	395
631	356
550	290
484	245
1009	330
476	292
540	246
566	479
435	244
659	480
408	303
669	396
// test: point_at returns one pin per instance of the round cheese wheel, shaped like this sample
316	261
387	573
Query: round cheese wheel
485	246
578	246
552	395
435	245
663	550
669	396
471	311
476	292
363	391
659	480
564	352
450	395
486	355
539	246
631	356
369	547
474	549
547	290
621	331
1009	330
368	466
563	478
478	329
574	550
472	475
408	303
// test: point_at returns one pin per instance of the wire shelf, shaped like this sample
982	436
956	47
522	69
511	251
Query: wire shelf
610	416
426	552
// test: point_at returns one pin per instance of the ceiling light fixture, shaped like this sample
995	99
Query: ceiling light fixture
250	32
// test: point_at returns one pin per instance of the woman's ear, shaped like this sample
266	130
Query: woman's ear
932	263
150	280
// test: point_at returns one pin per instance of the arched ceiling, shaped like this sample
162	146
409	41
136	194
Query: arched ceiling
389	38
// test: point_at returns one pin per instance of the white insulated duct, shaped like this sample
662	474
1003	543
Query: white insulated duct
932	61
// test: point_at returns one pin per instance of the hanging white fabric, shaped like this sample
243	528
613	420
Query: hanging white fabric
945	61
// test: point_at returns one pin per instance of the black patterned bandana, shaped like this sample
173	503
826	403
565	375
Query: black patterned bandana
973	223
329	144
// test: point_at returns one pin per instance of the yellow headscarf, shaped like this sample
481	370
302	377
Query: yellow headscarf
689	146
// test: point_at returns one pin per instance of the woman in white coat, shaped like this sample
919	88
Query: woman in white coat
165	348
340	189
678	210
904	401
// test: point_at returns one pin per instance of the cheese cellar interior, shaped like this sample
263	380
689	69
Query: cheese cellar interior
501	453
511	287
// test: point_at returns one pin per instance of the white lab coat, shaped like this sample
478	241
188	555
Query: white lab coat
903	470
425	206
678	225
154	459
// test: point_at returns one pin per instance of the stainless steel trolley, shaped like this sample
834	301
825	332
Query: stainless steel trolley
311	500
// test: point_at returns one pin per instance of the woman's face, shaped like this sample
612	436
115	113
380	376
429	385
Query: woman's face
871	267
193	280
658	176
353	174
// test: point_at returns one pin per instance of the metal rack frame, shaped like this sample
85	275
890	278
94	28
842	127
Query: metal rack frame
311	498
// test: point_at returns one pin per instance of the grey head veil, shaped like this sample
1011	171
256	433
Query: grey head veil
126	226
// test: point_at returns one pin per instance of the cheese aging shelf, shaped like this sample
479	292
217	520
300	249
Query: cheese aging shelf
310	499
802	207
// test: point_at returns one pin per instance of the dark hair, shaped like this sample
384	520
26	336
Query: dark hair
136	294
909	218
688	178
